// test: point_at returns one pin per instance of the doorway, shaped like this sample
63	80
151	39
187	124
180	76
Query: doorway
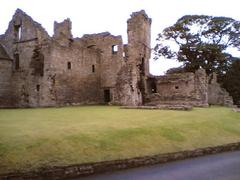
107	96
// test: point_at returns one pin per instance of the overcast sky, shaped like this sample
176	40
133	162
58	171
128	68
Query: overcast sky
95	16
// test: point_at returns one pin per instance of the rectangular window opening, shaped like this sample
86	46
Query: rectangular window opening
93	68
114	49
69	65
16	59
18	31
38	87
154	87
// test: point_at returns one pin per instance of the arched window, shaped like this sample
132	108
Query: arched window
18	32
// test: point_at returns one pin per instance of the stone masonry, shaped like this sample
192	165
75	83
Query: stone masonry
38	70
216	94
186	89
180	89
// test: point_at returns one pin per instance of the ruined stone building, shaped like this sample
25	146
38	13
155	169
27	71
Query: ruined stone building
39	70
194	89
181	88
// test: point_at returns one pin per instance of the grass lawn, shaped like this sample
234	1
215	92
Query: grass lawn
33	138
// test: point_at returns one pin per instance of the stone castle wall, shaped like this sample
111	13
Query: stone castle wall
218	95
39	70
132	79
69	76
21	39
180	89
194	89
6	99
62	70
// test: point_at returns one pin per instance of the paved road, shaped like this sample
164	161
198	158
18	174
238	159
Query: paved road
224	166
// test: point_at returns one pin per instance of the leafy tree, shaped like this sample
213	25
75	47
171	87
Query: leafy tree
231	81
201	41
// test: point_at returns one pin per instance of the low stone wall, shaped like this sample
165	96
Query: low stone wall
100	167
162	106
236	109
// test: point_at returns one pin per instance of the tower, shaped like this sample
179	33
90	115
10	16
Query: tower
62	32
139	49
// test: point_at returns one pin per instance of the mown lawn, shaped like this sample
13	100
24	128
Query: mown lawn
33	138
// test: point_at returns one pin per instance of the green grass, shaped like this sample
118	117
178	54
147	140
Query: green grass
33	138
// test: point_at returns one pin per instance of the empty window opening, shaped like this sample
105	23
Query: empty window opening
107	96
37	62
124	54
69	65
18	31
38	87
176	87
93	68
114	49
16	59
142	66
153	87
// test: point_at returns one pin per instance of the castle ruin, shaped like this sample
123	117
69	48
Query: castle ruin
37	70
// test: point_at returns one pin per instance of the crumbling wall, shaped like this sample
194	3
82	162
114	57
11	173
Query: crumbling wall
110	49
39	70
63	32
180	89
6	99
201	88
71	78
37	62
174	89
21	39
176	86
139	39
216	94
21	30
62	70
137	54
126	91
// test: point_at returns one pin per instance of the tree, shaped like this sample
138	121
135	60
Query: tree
202	41
231	81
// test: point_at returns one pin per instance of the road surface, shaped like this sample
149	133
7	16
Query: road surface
224	166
